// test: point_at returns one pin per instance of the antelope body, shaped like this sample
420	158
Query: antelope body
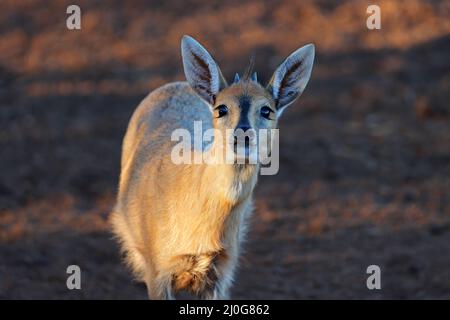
181	225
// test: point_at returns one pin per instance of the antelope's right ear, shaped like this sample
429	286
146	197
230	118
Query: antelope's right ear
201	71
291	77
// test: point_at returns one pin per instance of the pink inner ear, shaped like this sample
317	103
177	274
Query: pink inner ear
292	75
201	70
290	79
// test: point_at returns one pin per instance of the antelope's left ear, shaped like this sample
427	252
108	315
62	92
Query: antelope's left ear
202	72
291	77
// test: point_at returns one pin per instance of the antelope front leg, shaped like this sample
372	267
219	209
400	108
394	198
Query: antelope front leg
158	289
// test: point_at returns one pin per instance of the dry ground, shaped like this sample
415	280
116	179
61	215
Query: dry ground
365	153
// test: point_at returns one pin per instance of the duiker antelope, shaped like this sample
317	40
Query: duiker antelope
181	225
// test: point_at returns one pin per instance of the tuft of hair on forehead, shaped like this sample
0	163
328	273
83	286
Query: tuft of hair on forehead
248	72
249	75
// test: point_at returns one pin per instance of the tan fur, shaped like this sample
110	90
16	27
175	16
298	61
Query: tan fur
181	225
166	212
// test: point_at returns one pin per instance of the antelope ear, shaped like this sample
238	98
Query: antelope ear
291	77
201	71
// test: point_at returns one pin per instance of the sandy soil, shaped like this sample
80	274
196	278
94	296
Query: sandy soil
365	153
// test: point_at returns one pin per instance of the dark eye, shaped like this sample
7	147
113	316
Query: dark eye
221	110
265	112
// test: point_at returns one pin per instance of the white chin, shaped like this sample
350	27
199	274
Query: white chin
246	155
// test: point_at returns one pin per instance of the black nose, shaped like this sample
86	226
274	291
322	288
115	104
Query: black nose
239	136
244	128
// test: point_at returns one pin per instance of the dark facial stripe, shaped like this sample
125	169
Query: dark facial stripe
244	104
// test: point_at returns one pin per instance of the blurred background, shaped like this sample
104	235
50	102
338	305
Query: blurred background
365	152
